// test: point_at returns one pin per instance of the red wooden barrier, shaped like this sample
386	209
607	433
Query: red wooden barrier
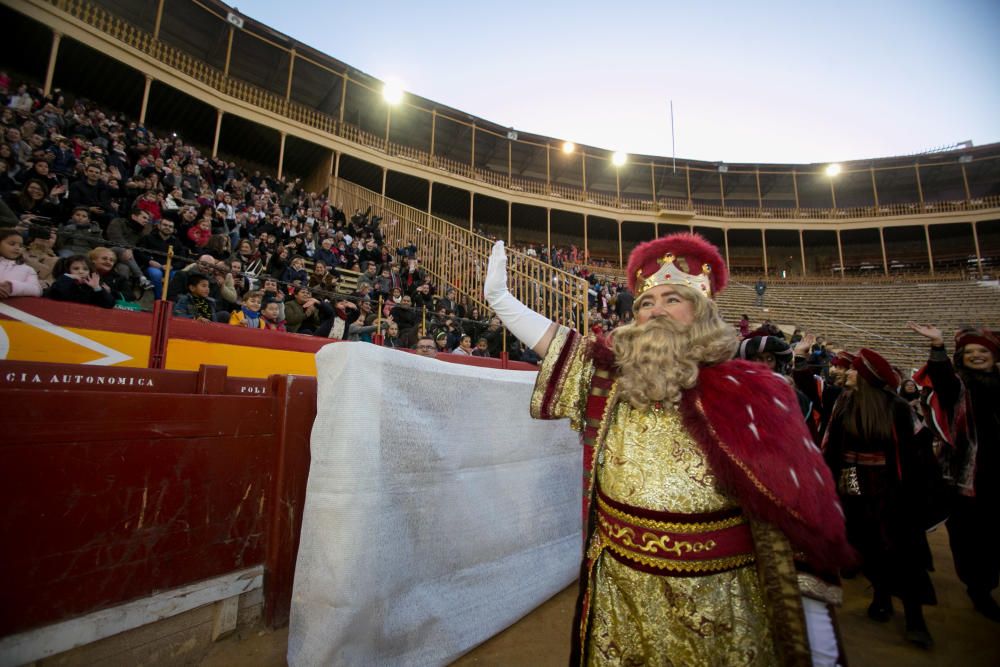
116	483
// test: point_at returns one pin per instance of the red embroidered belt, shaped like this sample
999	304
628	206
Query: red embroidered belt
672	544
864	458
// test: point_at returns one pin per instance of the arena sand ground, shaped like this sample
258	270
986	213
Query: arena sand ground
541	639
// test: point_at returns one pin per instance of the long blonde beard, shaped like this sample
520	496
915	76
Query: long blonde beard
660	359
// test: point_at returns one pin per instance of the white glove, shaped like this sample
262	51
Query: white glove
819	628
526	324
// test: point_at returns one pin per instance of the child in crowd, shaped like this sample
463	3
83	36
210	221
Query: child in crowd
249	314
16	277
482	348
296	272
196	304
75	282
201	233
270	316
464	345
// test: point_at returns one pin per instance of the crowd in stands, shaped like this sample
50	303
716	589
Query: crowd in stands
92	203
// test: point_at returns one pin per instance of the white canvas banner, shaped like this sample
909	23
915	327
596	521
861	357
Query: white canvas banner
437	511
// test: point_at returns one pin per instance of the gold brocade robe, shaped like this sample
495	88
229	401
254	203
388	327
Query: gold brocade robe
647	459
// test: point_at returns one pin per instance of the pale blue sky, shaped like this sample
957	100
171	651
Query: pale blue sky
756	82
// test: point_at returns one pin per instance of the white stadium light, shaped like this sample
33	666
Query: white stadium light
235	20
618	158
392	92
832	170
568	147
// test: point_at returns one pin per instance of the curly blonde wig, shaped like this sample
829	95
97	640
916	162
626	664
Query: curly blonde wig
660	359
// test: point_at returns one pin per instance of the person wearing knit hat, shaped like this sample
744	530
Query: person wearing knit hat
871	447
770	350
965	409
696	465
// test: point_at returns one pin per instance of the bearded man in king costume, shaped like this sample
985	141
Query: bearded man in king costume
713	533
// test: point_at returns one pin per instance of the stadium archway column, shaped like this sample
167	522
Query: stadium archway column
281	160
763	245
802	251
472	203
159	19
885	259
725	242
430	200
145	100
548	233
53	54
218	130
840	255
336	178
930	255
586	251
975	241
621	261
509	222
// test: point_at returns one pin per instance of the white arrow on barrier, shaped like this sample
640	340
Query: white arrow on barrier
110	358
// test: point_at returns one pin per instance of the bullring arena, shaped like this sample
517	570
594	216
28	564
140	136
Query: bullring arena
181	491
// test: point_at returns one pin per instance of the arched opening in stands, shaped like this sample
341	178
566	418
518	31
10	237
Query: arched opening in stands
953	247
906	249
988	233
634	233
489	214
777	189
24	50
365	174
169	111
784	255
184	24
107	81
706	187
411	127
601	177
814	190
669	183
306	160
567	230
822	259
746	251
862	252
602	239
452	140
739	189
528	225
248	142
452	204
410	190
365	109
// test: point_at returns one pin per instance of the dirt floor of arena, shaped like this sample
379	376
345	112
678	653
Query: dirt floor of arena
962	637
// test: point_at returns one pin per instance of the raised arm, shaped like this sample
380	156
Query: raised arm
534	330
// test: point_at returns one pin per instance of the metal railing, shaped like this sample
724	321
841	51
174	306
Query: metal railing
456	257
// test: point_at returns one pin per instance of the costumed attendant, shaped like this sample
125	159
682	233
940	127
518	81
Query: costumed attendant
701	479
871	448
965	410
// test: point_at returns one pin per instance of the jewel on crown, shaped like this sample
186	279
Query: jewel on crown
670	273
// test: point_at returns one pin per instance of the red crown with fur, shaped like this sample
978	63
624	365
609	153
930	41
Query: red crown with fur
656	263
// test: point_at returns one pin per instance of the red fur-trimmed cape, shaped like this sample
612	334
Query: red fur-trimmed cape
747	421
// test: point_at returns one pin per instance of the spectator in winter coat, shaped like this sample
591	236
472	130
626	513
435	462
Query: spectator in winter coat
16	277
75	282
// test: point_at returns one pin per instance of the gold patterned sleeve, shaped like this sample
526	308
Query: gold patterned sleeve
564	380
